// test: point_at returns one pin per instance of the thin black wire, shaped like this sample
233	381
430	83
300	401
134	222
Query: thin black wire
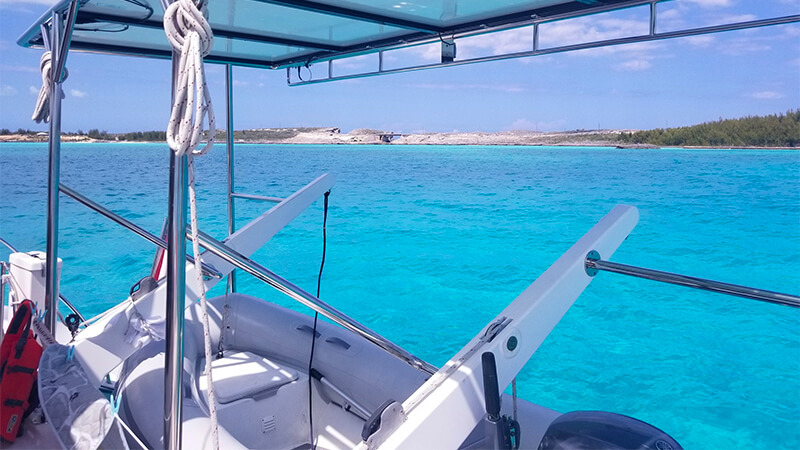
316	316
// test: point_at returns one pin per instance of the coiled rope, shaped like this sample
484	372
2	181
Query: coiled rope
41	112
190	35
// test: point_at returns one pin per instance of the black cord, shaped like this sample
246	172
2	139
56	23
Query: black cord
316	316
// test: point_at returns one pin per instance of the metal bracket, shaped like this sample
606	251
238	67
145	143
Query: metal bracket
495	328
591	270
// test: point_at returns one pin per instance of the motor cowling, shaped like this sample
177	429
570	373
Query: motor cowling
601	429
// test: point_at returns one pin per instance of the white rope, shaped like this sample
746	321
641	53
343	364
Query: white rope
41	112
189	33
130	432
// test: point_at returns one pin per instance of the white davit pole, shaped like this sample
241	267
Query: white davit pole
444	410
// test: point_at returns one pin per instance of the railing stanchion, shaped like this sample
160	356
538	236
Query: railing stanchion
176	292
594	264
231	209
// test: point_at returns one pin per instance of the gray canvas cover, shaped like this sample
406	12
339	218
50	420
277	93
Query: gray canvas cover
81	417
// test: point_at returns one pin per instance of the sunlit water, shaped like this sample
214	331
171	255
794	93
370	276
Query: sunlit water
427	244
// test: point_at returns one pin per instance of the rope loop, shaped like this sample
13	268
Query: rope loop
190	35
41	112
181	19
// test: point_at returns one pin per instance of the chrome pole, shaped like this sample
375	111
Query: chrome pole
295	292
208	270
60	296
66	40
53	176
653	13
594	263
257	197
231	213
61	35
176	292
2	298
564	48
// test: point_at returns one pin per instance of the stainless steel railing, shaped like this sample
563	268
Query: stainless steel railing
295	292
263	198
60	295
594	264
2	298
208	270
267	276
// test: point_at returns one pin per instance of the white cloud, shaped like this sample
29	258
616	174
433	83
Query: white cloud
34	90
76	93
737	18
525	124
791	31
700	41
20	68
240	82
634	65
355	62
511	41
7	91
742	46
765	95
522	124
711	3
507	88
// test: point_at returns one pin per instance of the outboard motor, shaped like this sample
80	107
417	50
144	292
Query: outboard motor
600	429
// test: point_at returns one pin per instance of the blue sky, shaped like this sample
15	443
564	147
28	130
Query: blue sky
667	83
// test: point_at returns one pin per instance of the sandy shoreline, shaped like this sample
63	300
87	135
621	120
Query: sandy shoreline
333	136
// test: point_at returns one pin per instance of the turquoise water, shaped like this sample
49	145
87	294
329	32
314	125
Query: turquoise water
427	244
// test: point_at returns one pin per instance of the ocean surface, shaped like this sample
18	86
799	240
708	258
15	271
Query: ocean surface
427	244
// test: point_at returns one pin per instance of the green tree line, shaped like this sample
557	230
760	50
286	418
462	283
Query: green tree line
775	130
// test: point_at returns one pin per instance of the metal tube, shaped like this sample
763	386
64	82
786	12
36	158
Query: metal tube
568	48
693	282
53	176
288	288
208	270
7	245
653	11
60	295
360	410
231	210
176	294
65	41
2	298
257	197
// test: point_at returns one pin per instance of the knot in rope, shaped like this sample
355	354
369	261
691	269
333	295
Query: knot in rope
190	35
41	112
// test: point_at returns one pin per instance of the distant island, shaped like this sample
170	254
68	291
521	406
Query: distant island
771	131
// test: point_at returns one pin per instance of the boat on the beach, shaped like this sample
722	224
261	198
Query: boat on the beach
161	369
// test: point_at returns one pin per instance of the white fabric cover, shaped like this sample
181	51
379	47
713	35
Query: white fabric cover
243	374
77	411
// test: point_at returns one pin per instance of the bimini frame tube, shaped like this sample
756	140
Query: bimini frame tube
60	37
176	291
231	211
176	299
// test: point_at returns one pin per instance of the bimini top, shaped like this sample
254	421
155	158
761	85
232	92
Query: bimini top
288	33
